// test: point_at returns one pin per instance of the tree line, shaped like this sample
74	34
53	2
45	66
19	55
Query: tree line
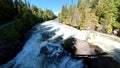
14	36
13	9
98	15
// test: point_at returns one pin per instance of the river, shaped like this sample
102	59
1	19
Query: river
43	49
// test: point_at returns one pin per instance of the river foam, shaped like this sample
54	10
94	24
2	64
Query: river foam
44	50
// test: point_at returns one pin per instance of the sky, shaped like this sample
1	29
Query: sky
54	5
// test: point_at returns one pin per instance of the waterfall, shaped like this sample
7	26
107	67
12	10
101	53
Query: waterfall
44	50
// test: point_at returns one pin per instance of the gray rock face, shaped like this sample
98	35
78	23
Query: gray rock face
82	49
44	50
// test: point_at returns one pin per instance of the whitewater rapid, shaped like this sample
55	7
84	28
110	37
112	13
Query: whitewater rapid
44	50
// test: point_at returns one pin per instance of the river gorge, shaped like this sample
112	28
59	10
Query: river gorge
43	49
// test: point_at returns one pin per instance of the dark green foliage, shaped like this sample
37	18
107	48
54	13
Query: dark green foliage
7	11
13	36
48	14
100	15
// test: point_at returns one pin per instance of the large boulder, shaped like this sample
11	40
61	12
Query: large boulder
44	50
81	48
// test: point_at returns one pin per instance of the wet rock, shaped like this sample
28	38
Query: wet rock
80	47
93	56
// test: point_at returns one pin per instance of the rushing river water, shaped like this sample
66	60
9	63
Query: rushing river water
44	50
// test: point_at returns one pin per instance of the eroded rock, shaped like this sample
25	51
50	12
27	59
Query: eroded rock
81	48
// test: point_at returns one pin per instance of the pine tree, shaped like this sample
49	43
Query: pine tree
102	15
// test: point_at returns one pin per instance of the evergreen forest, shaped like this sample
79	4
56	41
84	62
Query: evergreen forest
98	15
17	17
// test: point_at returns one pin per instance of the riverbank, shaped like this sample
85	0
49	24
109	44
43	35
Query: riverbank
13	38
43	48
